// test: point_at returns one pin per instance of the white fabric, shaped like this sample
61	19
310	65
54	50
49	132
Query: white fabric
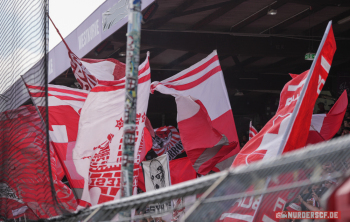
317	122
212	92
149	172
157	175
101	70
96	152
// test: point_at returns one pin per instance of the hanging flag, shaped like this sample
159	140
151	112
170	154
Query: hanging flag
289	128
98	150
64	107
157	175
205	119
89	71
25	190
181	170
252	130
167	140
324	126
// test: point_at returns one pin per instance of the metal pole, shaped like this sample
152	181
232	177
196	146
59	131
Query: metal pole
131	74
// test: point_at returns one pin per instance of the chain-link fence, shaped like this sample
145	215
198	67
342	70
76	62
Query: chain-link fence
28	181
297	181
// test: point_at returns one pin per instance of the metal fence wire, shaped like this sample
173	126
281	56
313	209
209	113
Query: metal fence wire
300	180
28	179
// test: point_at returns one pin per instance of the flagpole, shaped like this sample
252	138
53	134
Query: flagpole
131	75
302	93
296	109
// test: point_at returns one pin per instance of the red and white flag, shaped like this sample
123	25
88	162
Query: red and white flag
324	126
98	150
204	115
64	106
25	190
89	71
167	140
264	207
252	130
289	128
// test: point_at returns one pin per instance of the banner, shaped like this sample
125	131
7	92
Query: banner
167	140
204	115
157	175
98	150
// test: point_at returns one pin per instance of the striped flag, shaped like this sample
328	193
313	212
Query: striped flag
89	71
204	115
252	130
64	112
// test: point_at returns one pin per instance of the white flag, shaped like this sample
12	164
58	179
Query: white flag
98	151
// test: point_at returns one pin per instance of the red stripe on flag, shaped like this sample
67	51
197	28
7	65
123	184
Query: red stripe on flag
111	84
198	69
197	81
71	92
68	98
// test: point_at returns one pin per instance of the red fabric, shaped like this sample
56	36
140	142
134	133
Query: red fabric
332	121
27	185
282	131
299	132
147	139
181	170
334	117
197	135
149	127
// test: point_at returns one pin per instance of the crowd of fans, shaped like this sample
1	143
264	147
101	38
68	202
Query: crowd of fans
309	199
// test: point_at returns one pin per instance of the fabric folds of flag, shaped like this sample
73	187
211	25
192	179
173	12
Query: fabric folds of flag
89	71
252	130
324	126
27	190
204	114
98	151
289	128
64	106
166	139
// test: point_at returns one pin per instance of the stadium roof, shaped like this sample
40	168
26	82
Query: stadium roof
257	50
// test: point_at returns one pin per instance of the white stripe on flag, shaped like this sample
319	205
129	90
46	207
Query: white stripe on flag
325	64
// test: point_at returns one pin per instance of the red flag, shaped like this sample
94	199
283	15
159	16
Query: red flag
288	129
205	120
252	130
64	112
26	189
325	126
